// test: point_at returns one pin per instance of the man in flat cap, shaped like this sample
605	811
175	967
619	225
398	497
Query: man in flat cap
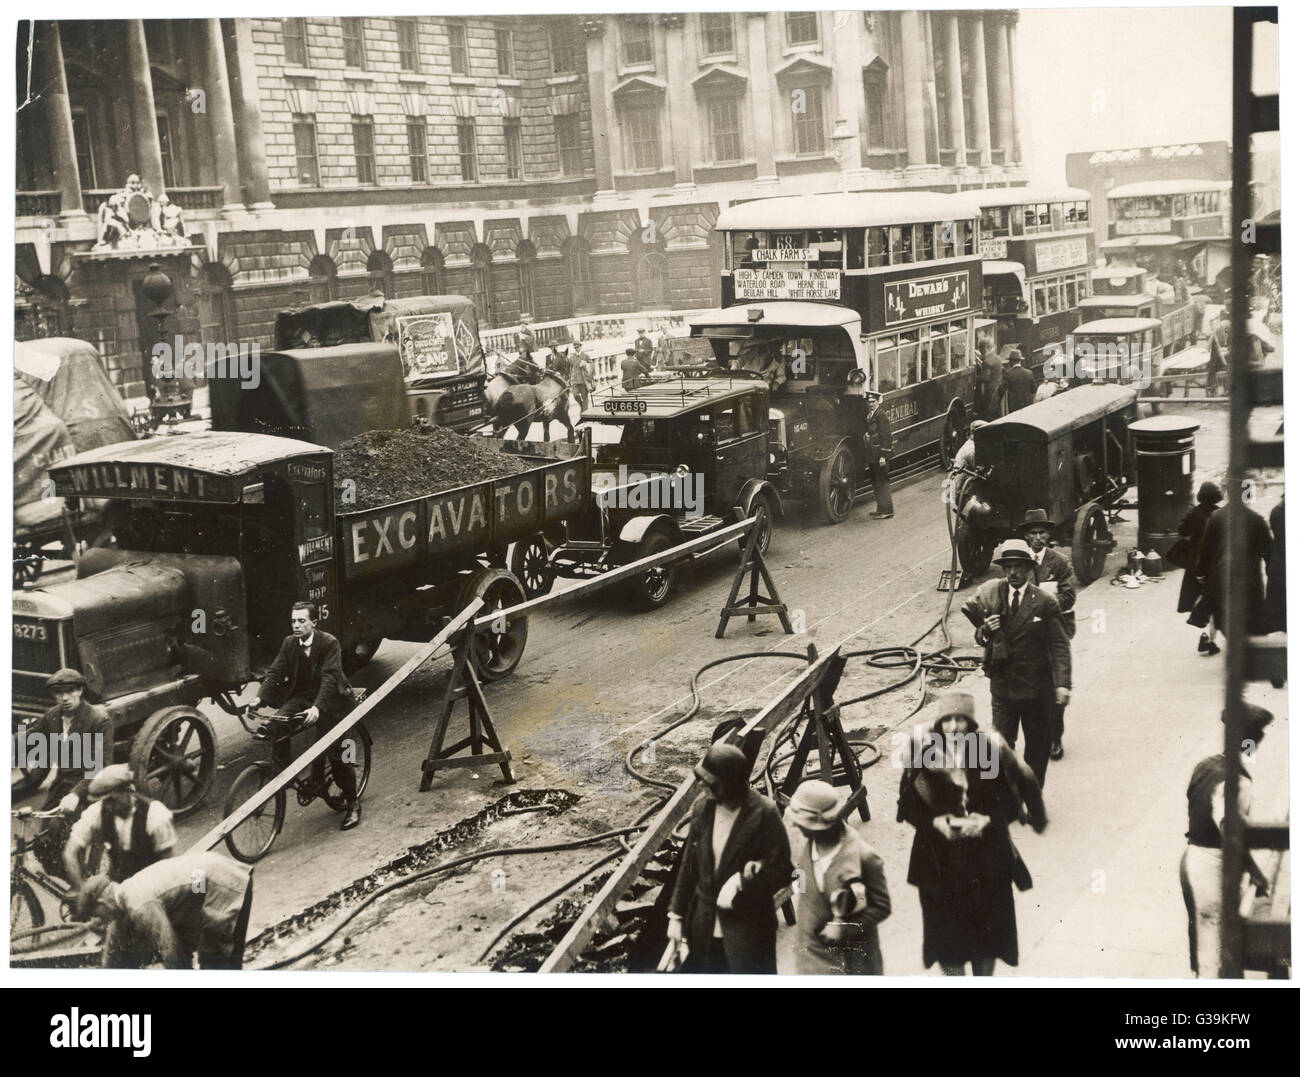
1201	870
70	723
736	859
132	830
1026	654
198	903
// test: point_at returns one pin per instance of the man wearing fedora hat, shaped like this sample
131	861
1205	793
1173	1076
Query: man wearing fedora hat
840	886
71	717
1201	869
134	831
735	860
1026	653
1019	382
1052	573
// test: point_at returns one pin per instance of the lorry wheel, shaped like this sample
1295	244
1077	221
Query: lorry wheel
974	551
252	839
761	510
496	653
174	758
530	562
654	587
27	567
835	486
1092	542
951	438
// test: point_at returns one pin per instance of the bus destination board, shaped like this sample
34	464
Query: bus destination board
787	283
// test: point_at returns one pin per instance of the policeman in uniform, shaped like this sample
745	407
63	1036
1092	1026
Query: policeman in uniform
879	441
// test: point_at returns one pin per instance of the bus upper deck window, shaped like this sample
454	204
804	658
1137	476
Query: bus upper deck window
855	248
1058	217
877	247
924	242
967	231
900	244
1017	221
1082	212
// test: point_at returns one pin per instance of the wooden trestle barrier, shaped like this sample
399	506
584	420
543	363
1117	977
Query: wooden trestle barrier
818	680
751	562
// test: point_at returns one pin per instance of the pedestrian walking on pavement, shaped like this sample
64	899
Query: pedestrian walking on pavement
196	904
841	890
736	859
1052	574
879	442
1019	382
989	386
583	377
1201	869
1248	587
634	371
1186	553
1026	654
960	790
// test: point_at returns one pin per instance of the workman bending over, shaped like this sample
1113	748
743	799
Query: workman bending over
307	678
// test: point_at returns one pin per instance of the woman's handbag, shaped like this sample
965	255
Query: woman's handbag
1182	554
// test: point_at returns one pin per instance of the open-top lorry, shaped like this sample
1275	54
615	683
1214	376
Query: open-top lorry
218	533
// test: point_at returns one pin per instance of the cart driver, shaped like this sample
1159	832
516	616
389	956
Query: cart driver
766	359
307	678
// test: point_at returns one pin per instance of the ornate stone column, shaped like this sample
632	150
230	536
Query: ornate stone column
1000	75
221	115
593	26
953	84
979	92
1013	17
760	94
242	69
58	112
144	117
914	80
681	122
849	92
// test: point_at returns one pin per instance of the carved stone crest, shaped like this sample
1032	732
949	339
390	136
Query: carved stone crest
133	219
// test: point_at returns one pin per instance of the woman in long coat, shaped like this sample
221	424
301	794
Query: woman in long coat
1248	588
1190	593
963	861
841	888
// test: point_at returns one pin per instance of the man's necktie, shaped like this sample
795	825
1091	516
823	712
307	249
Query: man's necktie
1015	603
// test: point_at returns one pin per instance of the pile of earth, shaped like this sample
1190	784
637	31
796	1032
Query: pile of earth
384	466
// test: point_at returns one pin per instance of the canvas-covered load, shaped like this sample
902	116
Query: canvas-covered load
321	395
323	325
41	440
70	378
437	335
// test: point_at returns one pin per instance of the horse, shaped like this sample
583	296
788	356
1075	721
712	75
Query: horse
516	404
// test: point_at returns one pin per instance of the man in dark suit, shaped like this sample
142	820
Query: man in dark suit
72	723
1052	574
1026	654
879	441
1019	382
736	859
307	678
989	388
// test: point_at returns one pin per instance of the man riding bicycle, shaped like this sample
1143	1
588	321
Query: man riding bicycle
307	678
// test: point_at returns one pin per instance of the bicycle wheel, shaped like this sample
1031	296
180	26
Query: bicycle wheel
356	754
252	839
25	914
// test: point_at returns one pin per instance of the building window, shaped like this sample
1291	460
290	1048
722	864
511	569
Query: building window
431	272
527	255
417	143
456	49
568	139
652	282
564	53
363	144
304	148
294	32
85	150
514	150
716	33
354	42
637	33
408	45
810	125
481	291
641	139
580	275
876	85
467	151
505	53
165	149
724	129
801	27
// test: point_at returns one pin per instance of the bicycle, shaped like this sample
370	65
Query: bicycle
26	913
252	839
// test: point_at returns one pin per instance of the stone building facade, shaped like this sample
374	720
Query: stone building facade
549	166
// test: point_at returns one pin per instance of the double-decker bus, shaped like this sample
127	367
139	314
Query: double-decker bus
1172	228
832	296
1038	249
